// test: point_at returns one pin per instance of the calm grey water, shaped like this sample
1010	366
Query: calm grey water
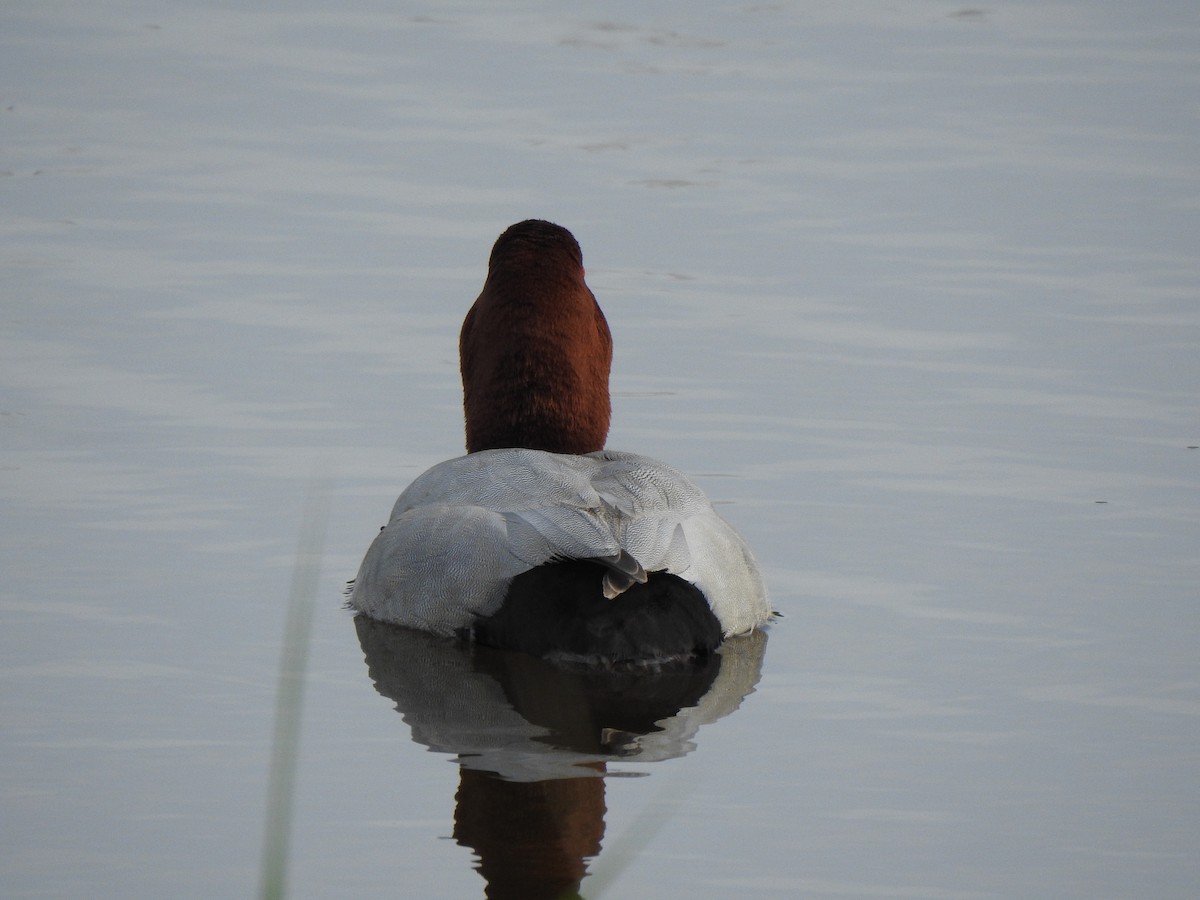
911	288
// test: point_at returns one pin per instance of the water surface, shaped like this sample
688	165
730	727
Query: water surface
910	288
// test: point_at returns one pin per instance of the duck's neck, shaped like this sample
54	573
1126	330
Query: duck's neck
535	352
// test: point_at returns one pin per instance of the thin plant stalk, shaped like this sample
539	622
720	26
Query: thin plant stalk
620	853
289	699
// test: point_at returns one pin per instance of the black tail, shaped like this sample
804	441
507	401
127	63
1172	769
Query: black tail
558	611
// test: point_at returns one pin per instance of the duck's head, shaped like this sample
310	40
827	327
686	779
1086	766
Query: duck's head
535	349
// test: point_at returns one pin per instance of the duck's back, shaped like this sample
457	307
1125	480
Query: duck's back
464	530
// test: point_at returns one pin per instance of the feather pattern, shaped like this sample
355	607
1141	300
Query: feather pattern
516	509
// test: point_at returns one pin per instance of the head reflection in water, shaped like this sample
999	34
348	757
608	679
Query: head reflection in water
533	741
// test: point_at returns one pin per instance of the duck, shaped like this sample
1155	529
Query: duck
540	539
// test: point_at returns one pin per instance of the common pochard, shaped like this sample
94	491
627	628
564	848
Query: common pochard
539	539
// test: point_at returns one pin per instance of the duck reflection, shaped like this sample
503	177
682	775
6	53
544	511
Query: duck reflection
533	740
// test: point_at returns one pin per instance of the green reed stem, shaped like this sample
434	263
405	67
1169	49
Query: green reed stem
289	698
619	853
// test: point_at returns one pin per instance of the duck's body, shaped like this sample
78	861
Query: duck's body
539	539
